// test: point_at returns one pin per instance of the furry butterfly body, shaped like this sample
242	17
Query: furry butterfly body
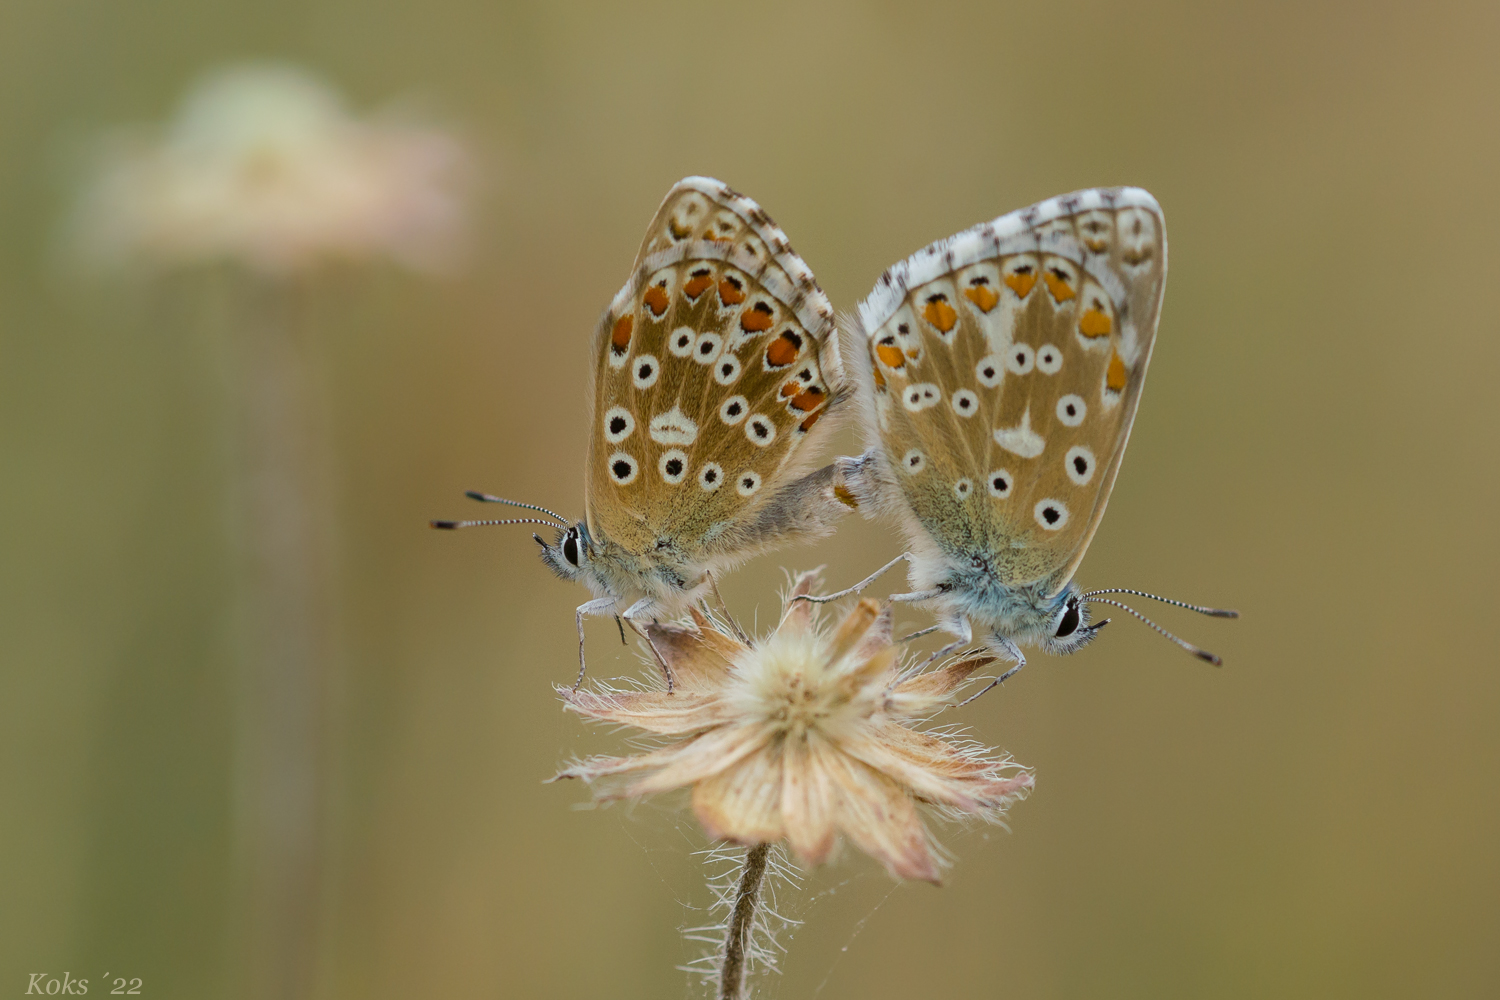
999	372
713	371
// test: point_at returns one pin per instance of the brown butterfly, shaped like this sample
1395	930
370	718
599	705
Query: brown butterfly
716	371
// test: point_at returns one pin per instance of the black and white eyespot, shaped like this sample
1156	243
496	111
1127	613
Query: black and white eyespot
619	424
914	461
727	369
623	468
965	403
711	476
672	465
760	430
733	410
1051	514
1071	410
570	546
990	370
706	348
1080	464
963	489
1071	619
747	483
1020	359
1000	483
680	342
919	397
1048	359
646	371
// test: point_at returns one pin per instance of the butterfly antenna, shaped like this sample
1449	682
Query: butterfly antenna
487	498
1201	654
1211	612
454	525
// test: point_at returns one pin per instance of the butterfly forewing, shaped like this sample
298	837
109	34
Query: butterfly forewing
1007	363
714	366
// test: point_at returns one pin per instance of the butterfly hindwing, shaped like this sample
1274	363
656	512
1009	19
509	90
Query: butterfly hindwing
713	367
1007	364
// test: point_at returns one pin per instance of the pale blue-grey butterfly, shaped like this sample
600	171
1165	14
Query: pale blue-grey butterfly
999	372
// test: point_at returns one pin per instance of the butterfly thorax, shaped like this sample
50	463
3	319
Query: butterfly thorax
611	569
972	588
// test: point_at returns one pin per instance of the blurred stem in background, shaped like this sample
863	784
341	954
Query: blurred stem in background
282	492
264	169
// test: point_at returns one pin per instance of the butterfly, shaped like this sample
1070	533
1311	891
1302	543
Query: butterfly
999	372
713	372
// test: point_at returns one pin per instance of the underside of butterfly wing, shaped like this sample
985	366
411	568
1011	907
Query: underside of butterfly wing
1006	364
715	367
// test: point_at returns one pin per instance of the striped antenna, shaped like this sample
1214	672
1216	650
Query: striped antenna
453	525
1211	612
1201	654
487	498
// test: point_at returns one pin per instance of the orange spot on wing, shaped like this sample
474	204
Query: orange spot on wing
940	314
842	495
619	338
982	296
791	388
879	379
1115	377
809	400
1095	323
783	350
1057	284
678	230
1021	282
697	284
731	291
756	319
656	299
812	418
890	354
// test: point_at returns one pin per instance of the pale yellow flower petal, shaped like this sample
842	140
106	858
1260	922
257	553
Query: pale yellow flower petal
743	802
806	802
697	665
705	755
919	696
673	714
797	617
931	768
875	813
852	629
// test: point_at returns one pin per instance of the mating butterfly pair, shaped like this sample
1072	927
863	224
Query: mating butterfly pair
997	374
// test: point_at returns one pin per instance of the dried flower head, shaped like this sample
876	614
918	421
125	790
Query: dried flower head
265	166
805	735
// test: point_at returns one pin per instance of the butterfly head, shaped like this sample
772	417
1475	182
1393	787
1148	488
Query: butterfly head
1069	629
569	553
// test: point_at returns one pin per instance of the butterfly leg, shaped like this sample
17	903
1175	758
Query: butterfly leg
1010	649
598	606
861	585
638	610
713	588
960	627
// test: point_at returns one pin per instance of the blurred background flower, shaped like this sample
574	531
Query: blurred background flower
261	181
263	165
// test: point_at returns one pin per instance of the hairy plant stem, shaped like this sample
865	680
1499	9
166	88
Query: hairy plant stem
734	958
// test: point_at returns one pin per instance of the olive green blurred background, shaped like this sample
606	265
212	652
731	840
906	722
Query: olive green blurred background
1316	447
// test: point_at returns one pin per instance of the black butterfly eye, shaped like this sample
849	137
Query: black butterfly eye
1069	623
570	547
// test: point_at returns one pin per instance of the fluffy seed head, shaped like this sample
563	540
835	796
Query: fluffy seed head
803	736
